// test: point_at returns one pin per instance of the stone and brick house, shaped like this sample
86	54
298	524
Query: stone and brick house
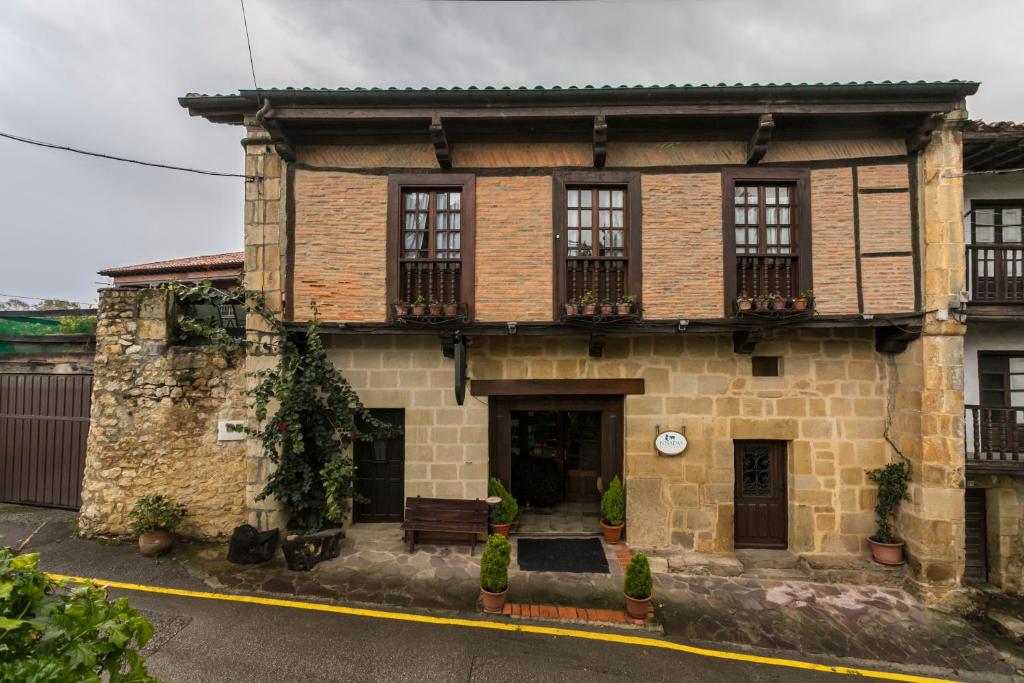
679	202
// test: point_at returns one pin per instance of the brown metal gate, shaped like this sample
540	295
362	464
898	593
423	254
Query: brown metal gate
44	422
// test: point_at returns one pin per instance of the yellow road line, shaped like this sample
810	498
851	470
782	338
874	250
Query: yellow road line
503	626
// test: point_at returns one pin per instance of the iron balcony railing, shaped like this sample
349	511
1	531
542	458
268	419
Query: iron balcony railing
995	437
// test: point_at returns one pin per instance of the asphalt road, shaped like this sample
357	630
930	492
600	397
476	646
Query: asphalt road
209	640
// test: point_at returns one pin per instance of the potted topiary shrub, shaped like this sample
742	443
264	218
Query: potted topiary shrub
892	480
155	519
588	305
613	511
800	303
494	573
625	305
638	587
744	302
419	306
505	512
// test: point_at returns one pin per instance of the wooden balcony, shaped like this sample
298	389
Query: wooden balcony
995	273
606	278
995	440
759	276
437	280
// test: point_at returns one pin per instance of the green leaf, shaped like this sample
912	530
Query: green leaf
7	624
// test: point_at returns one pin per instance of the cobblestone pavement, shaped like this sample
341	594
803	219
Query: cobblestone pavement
862	622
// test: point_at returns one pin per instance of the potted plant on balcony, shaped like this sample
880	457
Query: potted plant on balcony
401	308
638	587
613	511
494	573
625	304
435	307
587	303
761	303
155	519
451	309
572	307
778	302
892	480
744	302
505	512
419	306
801	302
607	308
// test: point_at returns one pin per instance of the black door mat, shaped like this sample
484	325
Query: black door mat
577	555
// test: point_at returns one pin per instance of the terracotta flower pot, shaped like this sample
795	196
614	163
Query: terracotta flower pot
571	309
419	309
401	310
607	309
501	529
886	553
761	304
589	309
153	543
494	603
744	304
451	309
638	609
612	534
800	304
624	309
435	309
779	304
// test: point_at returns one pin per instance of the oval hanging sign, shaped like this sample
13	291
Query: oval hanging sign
670	443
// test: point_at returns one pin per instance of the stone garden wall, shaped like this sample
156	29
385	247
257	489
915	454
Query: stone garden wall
155	409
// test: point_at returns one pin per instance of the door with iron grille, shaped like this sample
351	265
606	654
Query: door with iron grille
760	497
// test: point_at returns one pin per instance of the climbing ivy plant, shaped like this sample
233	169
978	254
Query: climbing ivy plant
308	414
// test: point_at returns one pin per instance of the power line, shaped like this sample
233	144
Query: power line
252	67
50	145
47	298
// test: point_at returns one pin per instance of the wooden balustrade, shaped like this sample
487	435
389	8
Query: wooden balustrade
996	438
604	277
995	272
433	279
769	274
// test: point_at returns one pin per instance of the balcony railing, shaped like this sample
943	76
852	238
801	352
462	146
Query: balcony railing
995	273
995	439
605	277
759	276
437	280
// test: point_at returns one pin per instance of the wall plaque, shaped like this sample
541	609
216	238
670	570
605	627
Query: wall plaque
670	443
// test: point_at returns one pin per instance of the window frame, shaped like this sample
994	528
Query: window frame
397	185
562	181
800	208
997	230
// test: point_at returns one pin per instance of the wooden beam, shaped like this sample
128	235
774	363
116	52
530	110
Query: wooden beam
600	141
745	341
441	148
919	137
556	387
595	346
757	146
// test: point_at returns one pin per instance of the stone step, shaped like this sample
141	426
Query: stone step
777	574
1007	624
703	564
767	559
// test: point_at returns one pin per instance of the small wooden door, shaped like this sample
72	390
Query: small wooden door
380	474
976	546
760	498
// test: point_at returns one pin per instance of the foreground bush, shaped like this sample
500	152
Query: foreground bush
49	632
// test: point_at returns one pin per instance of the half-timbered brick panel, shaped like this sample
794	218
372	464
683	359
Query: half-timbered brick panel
884	222
888	284
834	252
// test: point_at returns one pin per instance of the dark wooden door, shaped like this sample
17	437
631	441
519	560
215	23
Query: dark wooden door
976	536
760	498
44	423
380	474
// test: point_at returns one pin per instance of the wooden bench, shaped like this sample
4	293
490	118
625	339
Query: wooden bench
445	516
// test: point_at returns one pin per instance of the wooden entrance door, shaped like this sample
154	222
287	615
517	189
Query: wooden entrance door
380	474
760	497
976	543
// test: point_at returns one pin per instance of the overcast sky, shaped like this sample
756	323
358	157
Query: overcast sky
104	75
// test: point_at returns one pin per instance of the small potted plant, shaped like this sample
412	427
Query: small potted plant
155	519
778	302
744	302
761	303
505	512
613	511
625	305
588	305
494	573
401	308
607	308
572	307
638	587
419	306
800	303
435	307
892	480
451	309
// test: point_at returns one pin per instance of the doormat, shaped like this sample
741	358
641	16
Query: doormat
577	555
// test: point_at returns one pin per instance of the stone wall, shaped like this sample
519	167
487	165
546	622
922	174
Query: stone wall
155	409
829	404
